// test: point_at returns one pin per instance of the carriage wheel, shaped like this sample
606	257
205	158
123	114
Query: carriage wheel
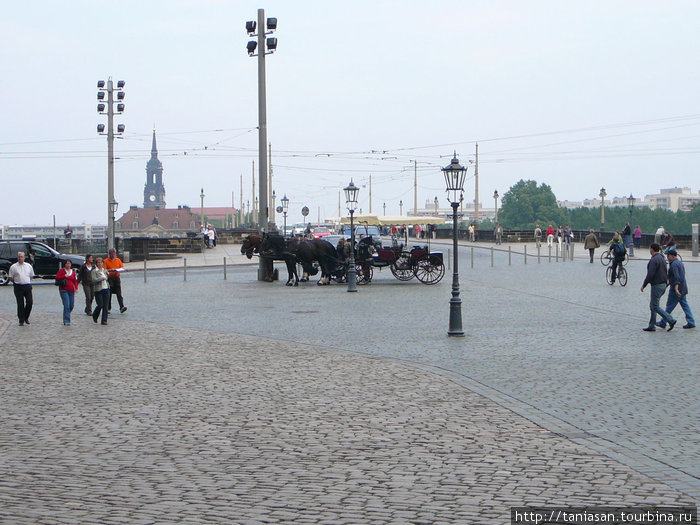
401	268
361	277
429	271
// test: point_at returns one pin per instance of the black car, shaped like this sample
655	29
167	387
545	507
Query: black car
45	260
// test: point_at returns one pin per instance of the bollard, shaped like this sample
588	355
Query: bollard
550	253
472	249
695	240
556	253
509	255
184	267
449	258
538	255
145	279
525	254
224	268
491	256
572	251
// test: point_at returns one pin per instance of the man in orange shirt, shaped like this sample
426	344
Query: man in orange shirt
114	266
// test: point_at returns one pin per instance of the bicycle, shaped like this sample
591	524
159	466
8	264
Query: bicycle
606	258
621	275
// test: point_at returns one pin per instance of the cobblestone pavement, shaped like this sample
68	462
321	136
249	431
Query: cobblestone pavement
550	342
141	422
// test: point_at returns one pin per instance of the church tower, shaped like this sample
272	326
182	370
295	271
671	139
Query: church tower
154	191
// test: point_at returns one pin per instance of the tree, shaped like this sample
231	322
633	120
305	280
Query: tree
526	204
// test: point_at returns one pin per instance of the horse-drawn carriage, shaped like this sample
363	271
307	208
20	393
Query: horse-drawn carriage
405	264
312	255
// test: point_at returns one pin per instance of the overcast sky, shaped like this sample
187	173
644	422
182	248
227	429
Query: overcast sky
578	95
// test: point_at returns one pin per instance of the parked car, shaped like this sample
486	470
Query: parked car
319	232
365	230
299	228
45	260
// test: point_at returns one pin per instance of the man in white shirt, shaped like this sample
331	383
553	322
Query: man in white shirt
21	274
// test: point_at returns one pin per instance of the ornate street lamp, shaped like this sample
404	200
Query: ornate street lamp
630	202
602	195
454	183
495	206
437	206
201	196
351	192
285	209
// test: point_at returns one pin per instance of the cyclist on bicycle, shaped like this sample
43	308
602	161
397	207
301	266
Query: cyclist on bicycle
618	252
668	242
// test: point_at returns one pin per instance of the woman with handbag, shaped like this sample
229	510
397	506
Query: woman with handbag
101	286
67	282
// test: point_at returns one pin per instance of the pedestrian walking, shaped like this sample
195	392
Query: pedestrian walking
637	237
627	234
67	280
591	243
538	236
100	279
659	235
21	274
678	290
85	280
499	233
550	236
471	233
115	266
560	236
657	276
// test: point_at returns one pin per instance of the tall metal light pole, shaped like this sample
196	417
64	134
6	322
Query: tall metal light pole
110	90
351	192
385	208
495	206
437	205
630	202
265	46
400	207
201	196
454	182
285	209
602	195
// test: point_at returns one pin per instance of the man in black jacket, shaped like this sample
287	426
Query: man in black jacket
657	275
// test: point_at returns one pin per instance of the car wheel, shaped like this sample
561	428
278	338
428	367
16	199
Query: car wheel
4	276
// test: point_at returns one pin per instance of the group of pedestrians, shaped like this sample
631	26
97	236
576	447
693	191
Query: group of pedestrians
99	281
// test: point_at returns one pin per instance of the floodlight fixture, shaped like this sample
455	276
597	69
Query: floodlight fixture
120	108
120	95
120	128
100	128
250	26
100	108
272	43
100	95
271	24
100	84
120	84
251	46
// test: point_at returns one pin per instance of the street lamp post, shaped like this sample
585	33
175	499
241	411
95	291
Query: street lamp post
437	206
602	195
495	205
110	90
201	196
385	208
265	46
630	202
351	192
401	208
454	182
285	208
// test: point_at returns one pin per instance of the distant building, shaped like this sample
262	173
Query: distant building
154	191
41	232
673	199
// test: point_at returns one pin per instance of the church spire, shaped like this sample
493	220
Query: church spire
154	149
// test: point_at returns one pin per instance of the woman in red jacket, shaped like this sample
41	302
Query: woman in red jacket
67	279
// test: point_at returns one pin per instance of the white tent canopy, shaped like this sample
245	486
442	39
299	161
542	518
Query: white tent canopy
388	220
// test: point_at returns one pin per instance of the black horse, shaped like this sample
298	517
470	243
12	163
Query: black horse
271	248
308	251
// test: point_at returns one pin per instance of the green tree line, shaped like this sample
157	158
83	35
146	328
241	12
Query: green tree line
527	204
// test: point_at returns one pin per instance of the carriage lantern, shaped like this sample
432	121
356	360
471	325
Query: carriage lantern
454	182
351	192
285	209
